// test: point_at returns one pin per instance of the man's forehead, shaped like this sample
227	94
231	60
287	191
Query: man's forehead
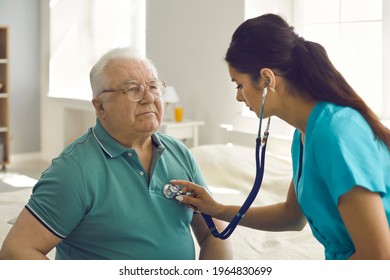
129	69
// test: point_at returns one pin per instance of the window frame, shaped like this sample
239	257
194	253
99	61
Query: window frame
382	111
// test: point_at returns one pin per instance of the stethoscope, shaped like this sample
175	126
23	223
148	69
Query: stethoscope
170	191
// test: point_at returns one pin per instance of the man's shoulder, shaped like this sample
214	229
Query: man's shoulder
170	141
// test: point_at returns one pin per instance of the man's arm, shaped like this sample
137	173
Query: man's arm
28	239
211	248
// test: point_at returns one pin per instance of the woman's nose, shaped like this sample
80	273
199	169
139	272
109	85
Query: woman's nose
239	96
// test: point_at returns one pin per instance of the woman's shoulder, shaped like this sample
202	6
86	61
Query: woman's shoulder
340	120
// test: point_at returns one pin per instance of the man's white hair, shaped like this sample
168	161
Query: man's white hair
98	78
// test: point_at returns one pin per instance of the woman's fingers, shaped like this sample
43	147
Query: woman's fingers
187	200
195	197
187	185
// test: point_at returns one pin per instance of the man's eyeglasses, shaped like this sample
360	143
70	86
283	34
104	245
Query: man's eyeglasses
135	91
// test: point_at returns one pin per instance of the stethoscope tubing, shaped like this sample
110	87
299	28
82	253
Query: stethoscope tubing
248	202
260	164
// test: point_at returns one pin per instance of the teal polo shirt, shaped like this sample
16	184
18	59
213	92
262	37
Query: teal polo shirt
98	198
339	152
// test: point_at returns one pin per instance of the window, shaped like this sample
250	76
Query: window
81	31
351	32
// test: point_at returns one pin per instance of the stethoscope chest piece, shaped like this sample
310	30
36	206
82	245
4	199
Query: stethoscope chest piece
170	191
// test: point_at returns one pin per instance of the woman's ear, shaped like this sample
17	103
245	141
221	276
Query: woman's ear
267	76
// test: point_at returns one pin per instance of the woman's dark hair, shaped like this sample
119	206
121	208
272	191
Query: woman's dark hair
268	41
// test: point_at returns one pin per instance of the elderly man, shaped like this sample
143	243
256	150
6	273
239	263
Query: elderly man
102	197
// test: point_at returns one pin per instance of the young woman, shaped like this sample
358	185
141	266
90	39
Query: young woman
340	149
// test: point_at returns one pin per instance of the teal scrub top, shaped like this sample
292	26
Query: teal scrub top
339	153
97	197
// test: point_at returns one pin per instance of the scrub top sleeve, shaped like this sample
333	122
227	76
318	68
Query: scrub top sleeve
346	156
58	199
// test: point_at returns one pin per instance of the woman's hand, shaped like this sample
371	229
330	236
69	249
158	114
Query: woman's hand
199	198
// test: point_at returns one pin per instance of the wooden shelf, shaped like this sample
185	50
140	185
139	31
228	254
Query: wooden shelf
4	95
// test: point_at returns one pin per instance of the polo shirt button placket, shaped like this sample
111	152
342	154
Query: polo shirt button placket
141	173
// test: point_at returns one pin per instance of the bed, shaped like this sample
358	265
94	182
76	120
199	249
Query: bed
229	171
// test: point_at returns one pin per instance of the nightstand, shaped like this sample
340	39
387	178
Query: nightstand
185	130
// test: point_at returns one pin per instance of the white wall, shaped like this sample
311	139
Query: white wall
254	8
22	19
187	41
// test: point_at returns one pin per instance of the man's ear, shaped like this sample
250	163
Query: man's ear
98	104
